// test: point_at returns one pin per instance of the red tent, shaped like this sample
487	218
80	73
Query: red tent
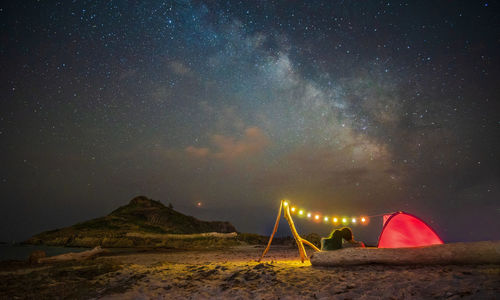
404	230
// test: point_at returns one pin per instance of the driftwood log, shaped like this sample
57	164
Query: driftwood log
182	236
73	255
487	252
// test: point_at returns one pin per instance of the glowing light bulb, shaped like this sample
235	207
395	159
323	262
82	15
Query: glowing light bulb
293	209
344	220
316	217
301	212
353	220
326	219
363	219
285	203
308	215
335	220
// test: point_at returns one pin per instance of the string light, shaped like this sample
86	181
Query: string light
344	220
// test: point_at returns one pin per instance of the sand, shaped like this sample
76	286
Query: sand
235	274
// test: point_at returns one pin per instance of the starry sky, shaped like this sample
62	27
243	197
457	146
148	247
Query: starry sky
348	107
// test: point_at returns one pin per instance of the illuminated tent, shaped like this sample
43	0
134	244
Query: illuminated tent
403	230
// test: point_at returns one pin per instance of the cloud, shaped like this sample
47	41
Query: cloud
229	148
228	119
161	93
357	166
253	142
179	68
359	155
126	74
197	151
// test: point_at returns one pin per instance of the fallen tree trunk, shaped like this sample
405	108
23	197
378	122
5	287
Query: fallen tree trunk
487	252
73	256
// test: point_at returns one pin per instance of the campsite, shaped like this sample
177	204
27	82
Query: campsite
257	149
237	265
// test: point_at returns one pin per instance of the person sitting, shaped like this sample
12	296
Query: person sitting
340	238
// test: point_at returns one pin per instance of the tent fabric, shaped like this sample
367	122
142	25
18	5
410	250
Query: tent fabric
402	230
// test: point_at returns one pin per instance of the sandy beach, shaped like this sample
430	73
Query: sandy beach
235	274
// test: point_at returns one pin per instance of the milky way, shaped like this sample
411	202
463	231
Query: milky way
343	107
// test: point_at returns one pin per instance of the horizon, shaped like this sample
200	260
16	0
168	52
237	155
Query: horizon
224	109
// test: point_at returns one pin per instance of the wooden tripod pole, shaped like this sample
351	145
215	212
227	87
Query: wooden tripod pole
300	241
310	244
274	231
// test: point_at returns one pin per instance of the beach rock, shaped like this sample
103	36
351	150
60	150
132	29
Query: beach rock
35	256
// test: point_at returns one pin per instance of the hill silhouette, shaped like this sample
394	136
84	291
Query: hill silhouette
142	222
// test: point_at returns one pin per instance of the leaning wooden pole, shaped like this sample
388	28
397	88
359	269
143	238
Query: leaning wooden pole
296	236
310	244
300	241
274	231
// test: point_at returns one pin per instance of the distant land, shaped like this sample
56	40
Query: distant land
145	223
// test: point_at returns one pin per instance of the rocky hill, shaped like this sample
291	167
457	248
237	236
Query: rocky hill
142	222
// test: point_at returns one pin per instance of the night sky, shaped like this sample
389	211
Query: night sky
345	107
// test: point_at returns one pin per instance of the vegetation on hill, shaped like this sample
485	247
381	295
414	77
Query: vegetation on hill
142	216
